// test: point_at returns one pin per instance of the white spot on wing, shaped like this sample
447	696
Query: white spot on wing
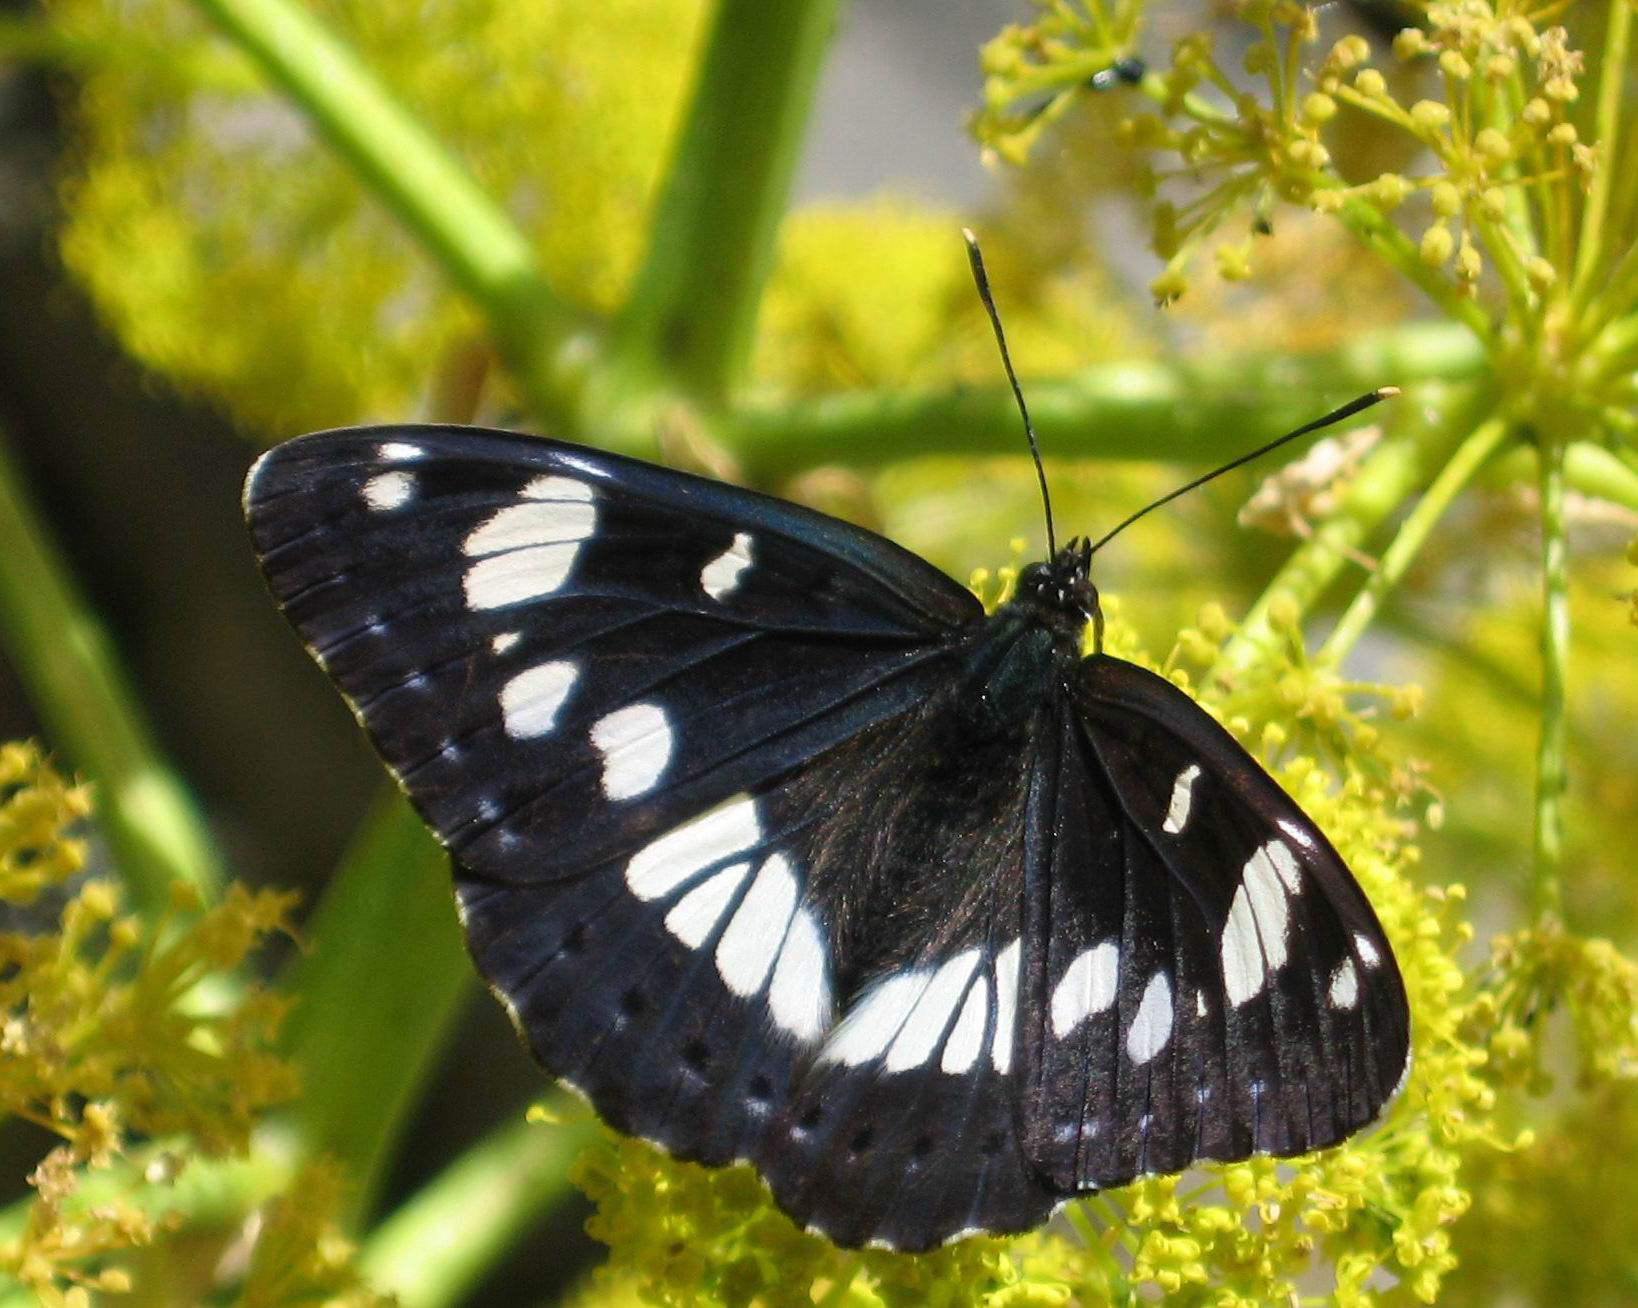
1088	987
526	550
526	574
557	488
389	490
869	1029
534	522
1243	971
931	1016
636	744
751	943
1006	1006
1344	985
1152	1027
966	1041
503	642
398	452
695	916
799	997
1367	951
1285	864
1267	890
1177	812
721	574
715	835
530	701
1255	937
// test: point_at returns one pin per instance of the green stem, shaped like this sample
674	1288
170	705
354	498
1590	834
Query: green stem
474	240
1470	456
1546	892
1612	80
1132	410
378	984
1386	479
1613	347
431	1251
90	711
1589	469
689	317
209	1192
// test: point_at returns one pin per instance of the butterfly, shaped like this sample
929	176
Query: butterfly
778	848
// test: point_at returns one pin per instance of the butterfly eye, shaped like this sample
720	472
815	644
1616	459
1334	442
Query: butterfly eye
1086	598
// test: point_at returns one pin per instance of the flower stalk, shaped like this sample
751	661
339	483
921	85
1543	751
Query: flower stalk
430	1252
478	246
89	707
1546	885
688	319
1470	456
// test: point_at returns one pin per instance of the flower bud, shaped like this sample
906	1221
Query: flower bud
1437	245
1494	146
1430	114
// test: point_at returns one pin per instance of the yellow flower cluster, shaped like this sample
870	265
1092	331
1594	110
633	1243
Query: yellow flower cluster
1499	128
1485	160
1034	73
1539	968
35	807
107	1037
196	191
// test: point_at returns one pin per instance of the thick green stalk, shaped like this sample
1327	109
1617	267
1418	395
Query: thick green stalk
1546	892
432	1250
1387	478
1131	410
688	321
377	984
91	713
1612	81
474	240
1470	456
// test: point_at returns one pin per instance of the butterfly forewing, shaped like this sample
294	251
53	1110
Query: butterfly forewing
562	654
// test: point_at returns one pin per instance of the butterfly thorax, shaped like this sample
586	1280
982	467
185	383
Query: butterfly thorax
1033	641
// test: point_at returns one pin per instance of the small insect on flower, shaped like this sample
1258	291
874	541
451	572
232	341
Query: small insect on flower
778	848
1310	487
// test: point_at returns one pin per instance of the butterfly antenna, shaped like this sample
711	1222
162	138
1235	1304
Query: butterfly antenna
976	258
1336	415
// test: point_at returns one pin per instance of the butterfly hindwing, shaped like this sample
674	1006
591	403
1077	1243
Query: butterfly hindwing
1210	981
902	1129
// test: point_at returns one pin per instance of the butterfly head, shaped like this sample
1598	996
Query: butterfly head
1061	587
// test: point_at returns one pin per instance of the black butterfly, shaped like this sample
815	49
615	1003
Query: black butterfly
778	849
